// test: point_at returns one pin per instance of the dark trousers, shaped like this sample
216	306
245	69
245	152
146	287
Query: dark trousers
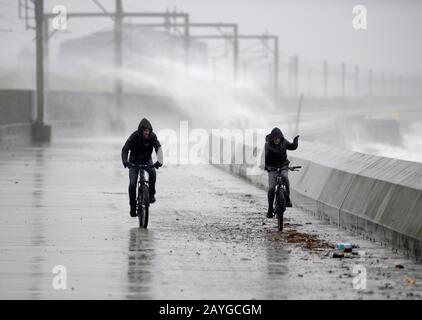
272	182
133	180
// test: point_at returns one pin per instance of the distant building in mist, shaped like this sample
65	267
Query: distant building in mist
142	47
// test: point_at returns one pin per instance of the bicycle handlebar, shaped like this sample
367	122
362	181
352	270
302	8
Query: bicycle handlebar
141	166
295	168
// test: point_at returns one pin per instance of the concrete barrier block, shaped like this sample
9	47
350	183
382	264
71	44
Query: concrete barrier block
41	132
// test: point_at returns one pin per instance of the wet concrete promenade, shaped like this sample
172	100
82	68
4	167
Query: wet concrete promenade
208	237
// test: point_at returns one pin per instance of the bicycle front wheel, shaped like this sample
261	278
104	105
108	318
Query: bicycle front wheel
280	208
144	208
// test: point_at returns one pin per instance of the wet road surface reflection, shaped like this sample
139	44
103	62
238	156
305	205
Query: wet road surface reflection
140	256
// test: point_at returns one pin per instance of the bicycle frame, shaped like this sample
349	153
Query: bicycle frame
141	167
280	181
141	179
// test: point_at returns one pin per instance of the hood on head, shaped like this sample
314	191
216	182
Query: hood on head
276	133
144	124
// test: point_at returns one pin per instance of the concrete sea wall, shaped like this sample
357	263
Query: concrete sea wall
380	198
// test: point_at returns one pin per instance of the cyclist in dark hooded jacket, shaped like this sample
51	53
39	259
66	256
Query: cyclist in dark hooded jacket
140	144
276	157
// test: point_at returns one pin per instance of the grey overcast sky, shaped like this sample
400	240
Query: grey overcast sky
314	30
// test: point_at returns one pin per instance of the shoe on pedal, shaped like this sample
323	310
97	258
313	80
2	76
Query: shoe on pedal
132	212
151	199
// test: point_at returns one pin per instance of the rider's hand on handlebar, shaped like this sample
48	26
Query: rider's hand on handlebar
157	165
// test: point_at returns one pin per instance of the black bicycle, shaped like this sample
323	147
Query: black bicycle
142	200
280	195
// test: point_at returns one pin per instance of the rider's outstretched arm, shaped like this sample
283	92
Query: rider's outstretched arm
292	145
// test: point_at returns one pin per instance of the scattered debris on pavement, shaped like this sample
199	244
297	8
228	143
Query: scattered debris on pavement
308	241
345	250
409	280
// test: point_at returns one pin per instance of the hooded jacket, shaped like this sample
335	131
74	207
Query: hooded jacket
276	155
141	148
